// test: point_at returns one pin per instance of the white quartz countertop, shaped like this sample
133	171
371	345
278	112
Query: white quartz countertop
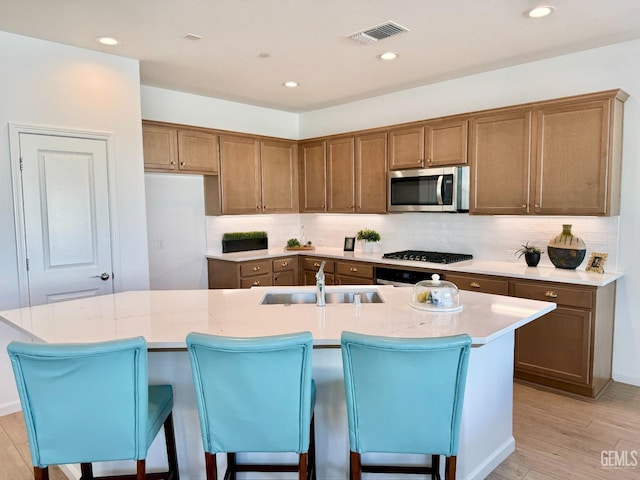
505	269
165	317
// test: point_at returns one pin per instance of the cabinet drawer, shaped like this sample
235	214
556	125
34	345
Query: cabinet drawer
479	283
314	264
263	280
282	264
352	269
255	268
550	292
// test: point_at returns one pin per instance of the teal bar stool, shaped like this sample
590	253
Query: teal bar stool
85	403
404	395
255	395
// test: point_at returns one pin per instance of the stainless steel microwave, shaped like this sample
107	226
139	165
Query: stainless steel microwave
429	190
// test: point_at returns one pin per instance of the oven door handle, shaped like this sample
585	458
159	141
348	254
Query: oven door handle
439	189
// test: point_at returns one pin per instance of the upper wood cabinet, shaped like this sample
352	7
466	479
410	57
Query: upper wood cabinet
559	157
257	176
578	156
312	167
500	163
446	143
170	149
341	175
371	173
279	173
406	148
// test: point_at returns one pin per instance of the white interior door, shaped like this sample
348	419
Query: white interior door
65	194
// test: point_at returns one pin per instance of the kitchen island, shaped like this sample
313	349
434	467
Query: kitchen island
164	318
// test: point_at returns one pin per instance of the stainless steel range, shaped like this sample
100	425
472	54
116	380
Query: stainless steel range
432	257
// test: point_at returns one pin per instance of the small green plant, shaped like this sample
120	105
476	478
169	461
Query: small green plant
293	242
526	248
243	235
368	235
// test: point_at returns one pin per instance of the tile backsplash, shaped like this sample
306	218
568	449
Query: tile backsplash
485	237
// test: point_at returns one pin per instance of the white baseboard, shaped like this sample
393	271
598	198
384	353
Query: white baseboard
629	379
9	408
495	459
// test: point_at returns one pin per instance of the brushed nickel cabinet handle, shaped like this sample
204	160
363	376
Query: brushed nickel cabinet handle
316	264
256	283
353	269
173	163
255	269
474	285
537	205
182	163
551	294
284	264
524	205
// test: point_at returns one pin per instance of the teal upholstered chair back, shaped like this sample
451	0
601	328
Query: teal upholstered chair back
83	402
253	394
404	395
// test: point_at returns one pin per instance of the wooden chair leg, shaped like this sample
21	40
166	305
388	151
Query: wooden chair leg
172	454
231	466
435	465
211	466
354	466
303	466
41	473
87	471
450	468
141	469
312	450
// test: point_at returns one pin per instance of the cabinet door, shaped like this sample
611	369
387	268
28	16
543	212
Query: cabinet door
500	163
355	269
341	175
313	177
282	279
279	177
556	346
198	151
446	143
371	173
160	148
572	159
406	148
240	175
309	278
256	281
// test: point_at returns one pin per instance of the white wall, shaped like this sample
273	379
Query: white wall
52	85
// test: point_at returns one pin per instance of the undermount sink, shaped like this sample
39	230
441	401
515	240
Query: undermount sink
292	298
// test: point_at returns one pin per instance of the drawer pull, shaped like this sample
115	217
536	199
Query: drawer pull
256	268
284	264
551	294
256	283
353	269
474	285
316	264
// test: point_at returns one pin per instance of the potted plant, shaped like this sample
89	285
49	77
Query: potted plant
531	254
243	241
368	238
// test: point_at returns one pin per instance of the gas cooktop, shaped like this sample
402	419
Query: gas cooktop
433	257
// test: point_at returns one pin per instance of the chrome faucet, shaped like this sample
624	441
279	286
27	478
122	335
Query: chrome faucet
320	286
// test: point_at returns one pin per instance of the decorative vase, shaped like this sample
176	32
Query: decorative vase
566	250
532	259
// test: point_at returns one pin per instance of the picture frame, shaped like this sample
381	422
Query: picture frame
349	244
596	262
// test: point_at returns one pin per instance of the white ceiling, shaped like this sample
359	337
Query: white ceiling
306	40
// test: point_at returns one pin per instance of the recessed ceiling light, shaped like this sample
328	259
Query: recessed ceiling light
109	41
291	84
541	11
388	56
192	36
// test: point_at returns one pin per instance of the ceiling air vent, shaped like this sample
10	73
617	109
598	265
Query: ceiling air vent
379	32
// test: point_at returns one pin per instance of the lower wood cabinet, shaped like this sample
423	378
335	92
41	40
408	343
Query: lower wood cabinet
479	283
285	271
353	273
309	266
571	347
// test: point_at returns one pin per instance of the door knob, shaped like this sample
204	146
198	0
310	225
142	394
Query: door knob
104	276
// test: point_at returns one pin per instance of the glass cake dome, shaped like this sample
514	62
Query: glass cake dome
436	295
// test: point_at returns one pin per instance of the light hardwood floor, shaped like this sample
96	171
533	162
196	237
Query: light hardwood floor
557	438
